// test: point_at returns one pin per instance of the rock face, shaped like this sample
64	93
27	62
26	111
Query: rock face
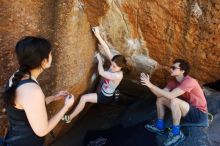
65	24
151	34
163	30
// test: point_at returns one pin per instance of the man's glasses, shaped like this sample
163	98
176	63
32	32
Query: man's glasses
174	67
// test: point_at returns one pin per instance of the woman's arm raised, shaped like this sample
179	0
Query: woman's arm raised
106	74
102	42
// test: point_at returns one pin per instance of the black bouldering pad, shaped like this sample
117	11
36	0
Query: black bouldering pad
118	136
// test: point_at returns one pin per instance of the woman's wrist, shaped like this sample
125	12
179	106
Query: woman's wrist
98	36
66	107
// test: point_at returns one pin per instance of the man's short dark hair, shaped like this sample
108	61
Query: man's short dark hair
184	65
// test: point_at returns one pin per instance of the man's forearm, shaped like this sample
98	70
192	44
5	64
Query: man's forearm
160	92
155	93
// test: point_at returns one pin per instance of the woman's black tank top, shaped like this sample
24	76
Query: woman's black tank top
20	132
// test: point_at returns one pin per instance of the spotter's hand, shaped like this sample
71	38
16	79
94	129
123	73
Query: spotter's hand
145	80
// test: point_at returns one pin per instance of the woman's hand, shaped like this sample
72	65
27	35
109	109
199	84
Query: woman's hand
60	95
96	31
102	42
145	80
69	100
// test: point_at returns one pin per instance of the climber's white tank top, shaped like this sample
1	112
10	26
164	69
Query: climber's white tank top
109	86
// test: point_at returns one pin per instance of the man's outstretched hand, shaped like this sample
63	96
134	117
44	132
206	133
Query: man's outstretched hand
145	80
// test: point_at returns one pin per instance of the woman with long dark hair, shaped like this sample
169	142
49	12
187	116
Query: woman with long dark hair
25	101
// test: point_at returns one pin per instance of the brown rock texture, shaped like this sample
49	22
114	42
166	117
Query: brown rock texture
151	34
164	30
65	24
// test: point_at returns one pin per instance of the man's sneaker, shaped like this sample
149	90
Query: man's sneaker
154	129
174	139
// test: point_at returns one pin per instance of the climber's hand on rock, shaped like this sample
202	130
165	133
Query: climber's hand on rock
96	30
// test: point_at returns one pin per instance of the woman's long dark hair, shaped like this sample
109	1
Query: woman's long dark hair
121	62
30	52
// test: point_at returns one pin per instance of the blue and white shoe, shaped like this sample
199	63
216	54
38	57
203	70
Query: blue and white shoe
174	140
154	129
